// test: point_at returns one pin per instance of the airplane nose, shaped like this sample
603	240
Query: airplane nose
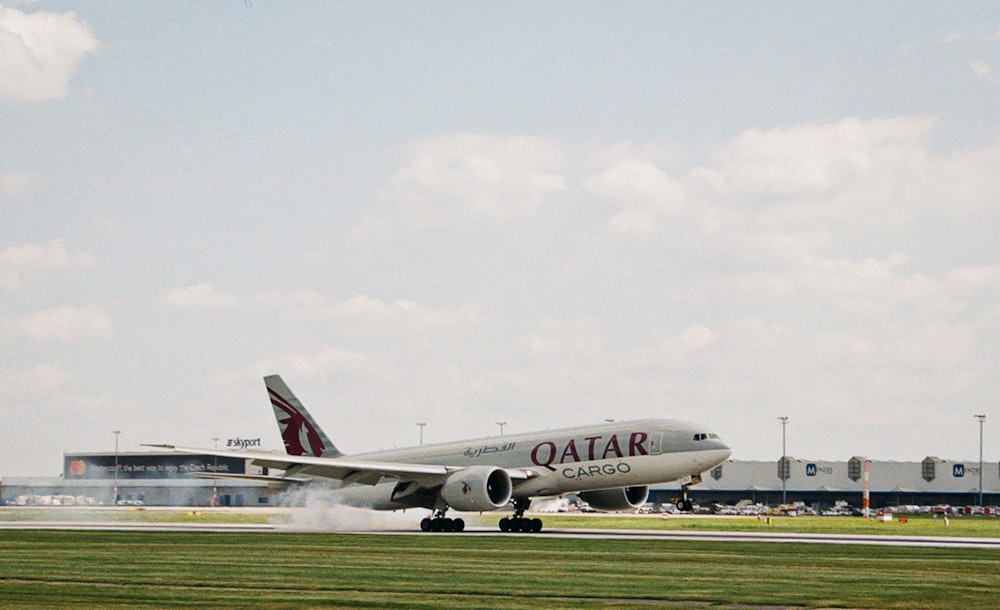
716	456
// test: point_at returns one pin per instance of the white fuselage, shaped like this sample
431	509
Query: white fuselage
551	463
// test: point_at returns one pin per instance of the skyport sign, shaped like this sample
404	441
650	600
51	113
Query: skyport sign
243	443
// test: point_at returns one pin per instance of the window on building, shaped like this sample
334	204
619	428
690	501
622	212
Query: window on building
784	468
928	469
854	468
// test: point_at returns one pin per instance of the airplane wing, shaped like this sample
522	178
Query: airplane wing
343	469
261	478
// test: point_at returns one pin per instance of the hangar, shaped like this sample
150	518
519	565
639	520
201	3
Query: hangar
173	479
821	484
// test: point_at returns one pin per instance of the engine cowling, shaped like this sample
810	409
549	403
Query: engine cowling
621	498
477	488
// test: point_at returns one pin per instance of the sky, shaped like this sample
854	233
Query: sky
538	213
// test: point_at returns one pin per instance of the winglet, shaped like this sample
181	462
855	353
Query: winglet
300	432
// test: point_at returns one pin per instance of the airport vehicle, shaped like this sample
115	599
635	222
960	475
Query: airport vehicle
609	465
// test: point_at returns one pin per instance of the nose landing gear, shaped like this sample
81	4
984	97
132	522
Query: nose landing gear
685	505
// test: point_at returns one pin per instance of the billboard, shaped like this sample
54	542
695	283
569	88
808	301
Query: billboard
147	465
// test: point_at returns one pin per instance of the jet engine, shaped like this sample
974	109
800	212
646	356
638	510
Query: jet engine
621	498
477	488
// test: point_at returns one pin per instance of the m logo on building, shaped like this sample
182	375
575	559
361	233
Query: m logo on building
810	470
958	471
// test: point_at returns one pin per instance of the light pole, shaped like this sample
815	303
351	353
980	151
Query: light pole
114	496
982	419
501	424
421	426
215	482
784	461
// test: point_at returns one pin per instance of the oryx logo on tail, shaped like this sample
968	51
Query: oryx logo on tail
301	435
292	428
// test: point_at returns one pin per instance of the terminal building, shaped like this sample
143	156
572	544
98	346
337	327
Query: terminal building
174	479
143	478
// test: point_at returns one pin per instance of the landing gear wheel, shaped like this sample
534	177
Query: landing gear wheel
685	505
437	522
517	523
442	524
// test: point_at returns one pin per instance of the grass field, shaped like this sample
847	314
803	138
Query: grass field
298	570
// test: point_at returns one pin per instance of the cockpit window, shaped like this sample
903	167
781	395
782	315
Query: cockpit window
701	436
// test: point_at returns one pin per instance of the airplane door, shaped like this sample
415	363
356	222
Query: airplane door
655	444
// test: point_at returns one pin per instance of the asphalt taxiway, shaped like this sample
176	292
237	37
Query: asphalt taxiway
855	539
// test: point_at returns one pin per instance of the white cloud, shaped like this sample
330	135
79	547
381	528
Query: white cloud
15	185
641	189
40	52
633	222
363	311
868	287
820	160
965	182
201	296
637	183
981	68
317	364
64	324
801	183
459	176
986	277
368	312
563	340
39	380
18	264
978	36
672	351
371	227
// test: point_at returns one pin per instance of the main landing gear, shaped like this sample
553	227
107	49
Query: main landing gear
439	523
518	523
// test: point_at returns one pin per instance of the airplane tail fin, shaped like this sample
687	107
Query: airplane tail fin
300	432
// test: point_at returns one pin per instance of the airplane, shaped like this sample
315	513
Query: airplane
610	466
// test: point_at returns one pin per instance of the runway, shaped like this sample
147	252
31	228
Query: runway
911	541
125	526
665	536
